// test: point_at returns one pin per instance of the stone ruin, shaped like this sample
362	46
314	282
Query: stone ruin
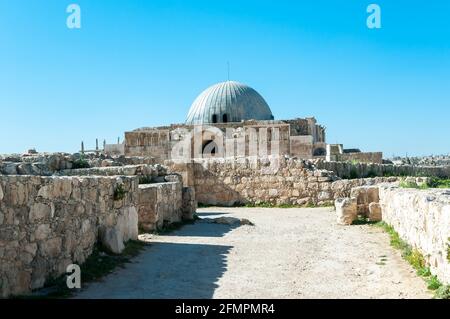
421	217
52	215
54	208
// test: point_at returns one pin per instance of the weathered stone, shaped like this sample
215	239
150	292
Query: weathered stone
44	192
42	231
51	247
31	248
189	204
375	212
346	210
40	211
22	283
422	219
112	239
160	203
364	196
58	218
10	168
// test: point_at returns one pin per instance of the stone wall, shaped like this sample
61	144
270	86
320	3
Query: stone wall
276	180
421	218
151	171
361	170
46	164
47	223
35	164
160	204
364	157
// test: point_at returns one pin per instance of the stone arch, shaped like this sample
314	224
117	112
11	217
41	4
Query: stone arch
209	148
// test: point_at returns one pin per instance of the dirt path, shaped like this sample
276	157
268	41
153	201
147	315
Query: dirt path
289	253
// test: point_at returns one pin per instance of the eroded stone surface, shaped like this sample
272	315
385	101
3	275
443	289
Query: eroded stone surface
422	219
346	210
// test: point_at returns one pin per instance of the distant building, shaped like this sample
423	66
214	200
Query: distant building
230	116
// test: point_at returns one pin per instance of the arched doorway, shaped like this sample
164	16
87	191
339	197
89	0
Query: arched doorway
209	148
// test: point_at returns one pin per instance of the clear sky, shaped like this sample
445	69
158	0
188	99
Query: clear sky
142	63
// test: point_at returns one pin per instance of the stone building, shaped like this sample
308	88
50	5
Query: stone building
228	119
230	112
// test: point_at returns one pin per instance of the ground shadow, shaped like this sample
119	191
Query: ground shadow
204	227
166	270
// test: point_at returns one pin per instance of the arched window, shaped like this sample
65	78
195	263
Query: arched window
225	118
214	118
209	148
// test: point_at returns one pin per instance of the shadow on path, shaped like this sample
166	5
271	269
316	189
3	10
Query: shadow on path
169	269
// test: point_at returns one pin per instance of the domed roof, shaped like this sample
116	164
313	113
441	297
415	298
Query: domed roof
228	101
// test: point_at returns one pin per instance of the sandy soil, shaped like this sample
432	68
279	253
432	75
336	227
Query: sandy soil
288	253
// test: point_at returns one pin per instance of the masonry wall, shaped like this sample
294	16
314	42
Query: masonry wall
278	181
151	171
47	223
421	218
347	170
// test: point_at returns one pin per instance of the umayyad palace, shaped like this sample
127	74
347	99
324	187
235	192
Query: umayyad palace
232	119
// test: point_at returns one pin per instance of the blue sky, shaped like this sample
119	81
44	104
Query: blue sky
142	63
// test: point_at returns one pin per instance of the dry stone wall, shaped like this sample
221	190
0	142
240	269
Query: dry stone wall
47	223
151	171
421	218
46	164
362	170
274	180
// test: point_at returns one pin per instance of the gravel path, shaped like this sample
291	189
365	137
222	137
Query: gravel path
288	253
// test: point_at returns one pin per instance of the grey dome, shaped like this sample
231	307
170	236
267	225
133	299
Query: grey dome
228	102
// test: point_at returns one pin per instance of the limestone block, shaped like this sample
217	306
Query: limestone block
1	193
346	210
375	212
62	188
42	231
51	247
40	211
111	238
45	192
131	224
324	196
364	196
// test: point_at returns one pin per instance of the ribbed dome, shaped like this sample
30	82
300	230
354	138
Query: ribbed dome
228	102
